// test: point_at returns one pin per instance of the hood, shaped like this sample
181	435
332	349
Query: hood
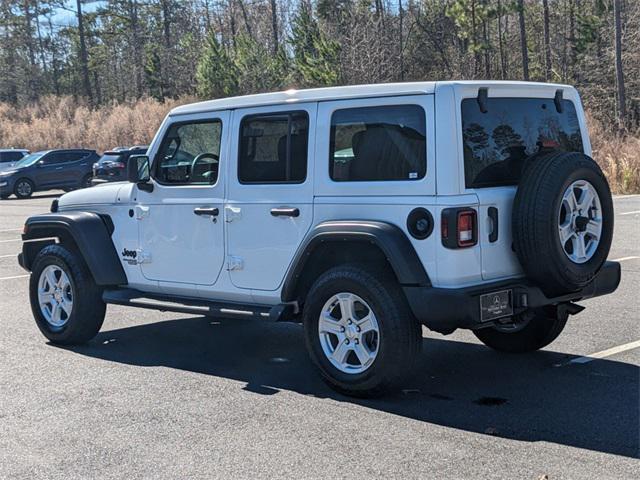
107	193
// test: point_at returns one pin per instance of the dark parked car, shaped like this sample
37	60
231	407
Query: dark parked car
112	166
10	156
46	170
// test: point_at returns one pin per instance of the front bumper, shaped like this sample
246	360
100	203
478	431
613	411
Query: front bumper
446	309
6	185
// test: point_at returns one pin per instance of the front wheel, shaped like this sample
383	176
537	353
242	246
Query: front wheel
540	329
360	332
66	303
23	188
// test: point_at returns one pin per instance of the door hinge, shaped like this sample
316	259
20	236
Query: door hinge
143	257
232	213
234	263
141	212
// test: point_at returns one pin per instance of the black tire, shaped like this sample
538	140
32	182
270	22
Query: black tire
23	188
536	215
400	336
88	311
542	329
86	181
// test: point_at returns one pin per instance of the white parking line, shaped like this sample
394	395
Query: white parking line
7	256
14	277
627	196
605	353
622	259
11	230
12	240
630	213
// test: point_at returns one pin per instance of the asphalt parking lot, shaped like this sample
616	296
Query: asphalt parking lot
159	395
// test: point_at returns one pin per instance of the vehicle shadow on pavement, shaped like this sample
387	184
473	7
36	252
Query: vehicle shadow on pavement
461	385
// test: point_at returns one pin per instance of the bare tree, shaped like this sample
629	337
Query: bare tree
622	110
547	44
523	41
84	62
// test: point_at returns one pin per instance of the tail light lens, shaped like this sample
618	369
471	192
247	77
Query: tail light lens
119	165
459	227
467	228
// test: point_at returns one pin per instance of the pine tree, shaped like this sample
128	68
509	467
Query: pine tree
216	74
316	59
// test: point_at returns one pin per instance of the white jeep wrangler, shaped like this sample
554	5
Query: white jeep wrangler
363	212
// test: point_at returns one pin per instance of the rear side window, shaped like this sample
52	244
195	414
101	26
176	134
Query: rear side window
498	143
189	153
378	143
10	156
273	148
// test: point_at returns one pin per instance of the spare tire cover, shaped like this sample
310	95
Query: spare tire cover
562	221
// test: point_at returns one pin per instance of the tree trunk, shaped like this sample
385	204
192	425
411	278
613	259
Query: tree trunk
246	18
523	41
274	25
547	44
503	66
400	13
84	62
622	110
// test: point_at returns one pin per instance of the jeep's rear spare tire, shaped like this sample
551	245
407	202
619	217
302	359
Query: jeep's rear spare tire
562	221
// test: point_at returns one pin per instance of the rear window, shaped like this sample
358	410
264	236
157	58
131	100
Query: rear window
498	143
111	157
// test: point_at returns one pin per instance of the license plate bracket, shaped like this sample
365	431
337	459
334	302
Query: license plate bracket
496	305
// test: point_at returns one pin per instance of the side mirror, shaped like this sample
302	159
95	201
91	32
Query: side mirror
138	172
40	163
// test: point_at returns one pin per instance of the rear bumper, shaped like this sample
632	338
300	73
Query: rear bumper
446	309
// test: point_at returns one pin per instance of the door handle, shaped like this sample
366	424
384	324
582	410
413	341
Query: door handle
211	211
493	215
59	168
285	212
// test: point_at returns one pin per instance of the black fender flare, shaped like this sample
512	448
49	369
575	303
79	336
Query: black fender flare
391	240
91	233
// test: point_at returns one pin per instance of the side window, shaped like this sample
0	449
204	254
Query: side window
190	153
52	158
273	148
6	157
71	157
378	143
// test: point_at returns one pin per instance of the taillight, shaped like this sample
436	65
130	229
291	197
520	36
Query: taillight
119	165
459	227
466	228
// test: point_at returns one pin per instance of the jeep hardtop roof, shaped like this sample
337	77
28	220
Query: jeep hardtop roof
351	92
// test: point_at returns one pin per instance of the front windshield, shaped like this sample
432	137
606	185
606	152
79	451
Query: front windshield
29	160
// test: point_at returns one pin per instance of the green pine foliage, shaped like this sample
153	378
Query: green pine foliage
216	74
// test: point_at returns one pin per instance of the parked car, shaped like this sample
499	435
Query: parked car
363	212
46	170
112	166
10	156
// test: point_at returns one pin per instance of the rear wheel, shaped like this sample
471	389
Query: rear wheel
23	188
360	332
86	181
538	330
66	303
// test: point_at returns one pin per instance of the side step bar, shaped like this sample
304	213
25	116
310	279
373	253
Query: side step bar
166	303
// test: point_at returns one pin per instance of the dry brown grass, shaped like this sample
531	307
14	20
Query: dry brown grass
62	122
618	156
